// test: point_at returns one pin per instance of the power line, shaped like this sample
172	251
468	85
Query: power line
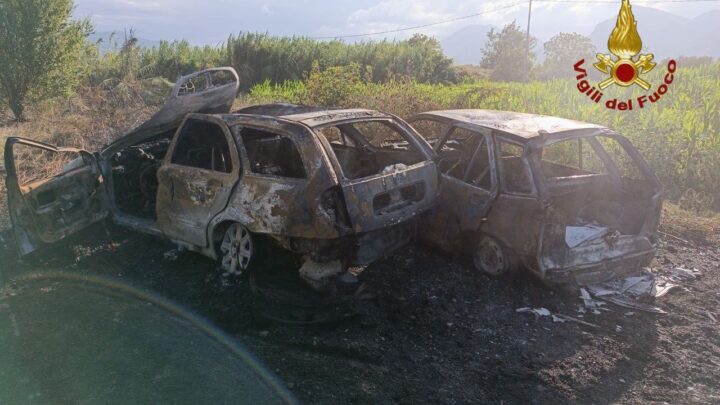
465	17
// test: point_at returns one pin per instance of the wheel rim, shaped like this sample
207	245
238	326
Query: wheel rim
237	249
489	257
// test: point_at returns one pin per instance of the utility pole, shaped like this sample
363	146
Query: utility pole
527	42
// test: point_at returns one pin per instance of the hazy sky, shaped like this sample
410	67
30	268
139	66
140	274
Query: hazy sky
210	22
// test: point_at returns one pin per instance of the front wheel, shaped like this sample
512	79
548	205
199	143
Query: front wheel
237	249
493	258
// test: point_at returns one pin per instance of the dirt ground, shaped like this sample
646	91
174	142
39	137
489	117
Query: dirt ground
430	329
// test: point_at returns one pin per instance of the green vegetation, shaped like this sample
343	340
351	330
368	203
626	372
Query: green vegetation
42	52
508	54
679	135
261	57
562	51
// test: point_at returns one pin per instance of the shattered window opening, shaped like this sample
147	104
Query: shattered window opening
433	131
370	148
203	145
513	170
623	161
571	157
378	134
271	153
461	139
34	164
478	173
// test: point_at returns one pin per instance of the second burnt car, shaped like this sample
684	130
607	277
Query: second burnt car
573	202
330	185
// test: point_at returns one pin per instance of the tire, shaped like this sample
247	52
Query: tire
493	258
237	250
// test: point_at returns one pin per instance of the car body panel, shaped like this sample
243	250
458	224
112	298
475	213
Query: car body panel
277	205
46	210
213	99
188	197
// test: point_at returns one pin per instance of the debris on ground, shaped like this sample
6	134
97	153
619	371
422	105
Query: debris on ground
538	312
630	292
589	303
684	273
576	320
171	255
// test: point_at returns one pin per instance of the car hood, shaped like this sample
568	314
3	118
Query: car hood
216	99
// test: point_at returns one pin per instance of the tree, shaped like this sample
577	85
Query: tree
506	54
563	50
40	51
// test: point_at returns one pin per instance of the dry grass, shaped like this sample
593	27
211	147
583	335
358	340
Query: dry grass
90	119
679	222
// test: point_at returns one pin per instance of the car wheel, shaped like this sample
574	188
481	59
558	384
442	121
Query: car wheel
237	249
492	257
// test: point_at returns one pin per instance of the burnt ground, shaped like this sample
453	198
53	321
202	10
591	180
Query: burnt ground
432	330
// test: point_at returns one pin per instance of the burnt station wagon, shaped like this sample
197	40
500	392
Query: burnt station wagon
571	201
330	185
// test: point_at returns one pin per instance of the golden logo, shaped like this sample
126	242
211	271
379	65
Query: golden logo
625	43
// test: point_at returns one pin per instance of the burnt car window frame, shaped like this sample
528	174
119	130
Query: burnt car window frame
594	145
237	166
235	130
487	139
499	139
613	171
409	135
440	138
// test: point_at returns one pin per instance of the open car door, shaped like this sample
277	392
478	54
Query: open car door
52	192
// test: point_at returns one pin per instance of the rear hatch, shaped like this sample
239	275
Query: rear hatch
603	208
391	198
386	171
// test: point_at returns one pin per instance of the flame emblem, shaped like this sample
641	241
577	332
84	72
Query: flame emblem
625	43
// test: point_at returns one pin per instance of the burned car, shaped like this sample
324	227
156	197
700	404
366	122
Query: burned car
330	185
573	202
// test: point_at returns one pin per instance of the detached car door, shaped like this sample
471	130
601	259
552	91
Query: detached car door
53	192
196	179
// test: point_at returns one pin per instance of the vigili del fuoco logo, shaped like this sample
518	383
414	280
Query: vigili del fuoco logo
625	68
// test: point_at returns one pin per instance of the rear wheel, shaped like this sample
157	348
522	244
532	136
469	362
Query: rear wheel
493	258
237	249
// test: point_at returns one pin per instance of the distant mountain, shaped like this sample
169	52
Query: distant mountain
465	46
108	41
663	34
668	35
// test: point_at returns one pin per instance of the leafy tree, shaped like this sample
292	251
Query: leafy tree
506	53
41	51
563	50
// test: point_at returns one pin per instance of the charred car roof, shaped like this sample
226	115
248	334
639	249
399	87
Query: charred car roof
312	116
521	126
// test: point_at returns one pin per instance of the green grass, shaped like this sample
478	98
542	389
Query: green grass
679	136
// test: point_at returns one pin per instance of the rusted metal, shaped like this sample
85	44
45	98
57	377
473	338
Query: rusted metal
531	225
